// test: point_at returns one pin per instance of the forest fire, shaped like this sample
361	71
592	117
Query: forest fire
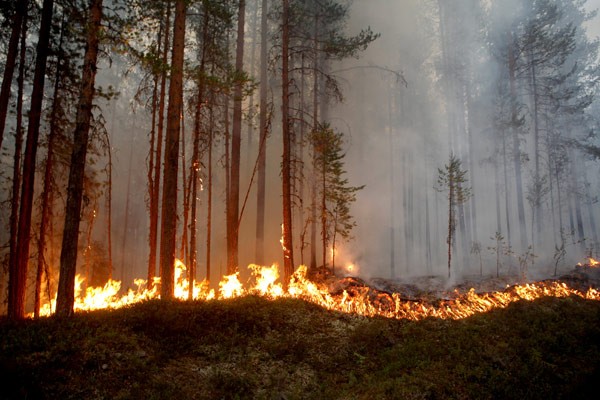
360	300
592	263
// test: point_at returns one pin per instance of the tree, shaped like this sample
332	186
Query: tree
335	192
68	256
286	179
233	214
264	132
452	179
11	57
169	194
18	271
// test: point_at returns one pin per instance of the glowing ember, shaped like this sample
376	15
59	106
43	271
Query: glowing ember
357	300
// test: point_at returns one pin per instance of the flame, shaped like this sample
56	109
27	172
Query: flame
360	300
592	263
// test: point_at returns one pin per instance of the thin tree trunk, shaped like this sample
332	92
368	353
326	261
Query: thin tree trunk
262	153
211	126
48	180
154	209
109	211
288	254
18	277
236	138
124	242
169	198
506	192
11	59
195	164
250	124
300	161
516	148
68	256
14	222
392	191
315	127
186	195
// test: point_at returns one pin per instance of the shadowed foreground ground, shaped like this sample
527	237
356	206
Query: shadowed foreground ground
289	349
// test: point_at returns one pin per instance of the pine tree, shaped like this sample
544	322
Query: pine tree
335	193
452	179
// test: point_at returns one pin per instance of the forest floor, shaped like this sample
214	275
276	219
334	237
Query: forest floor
255	348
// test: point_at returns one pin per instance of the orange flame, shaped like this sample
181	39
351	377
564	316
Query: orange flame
359	300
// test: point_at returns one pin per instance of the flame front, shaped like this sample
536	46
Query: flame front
359	300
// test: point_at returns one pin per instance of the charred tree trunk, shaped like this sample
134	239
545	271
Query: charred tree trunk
169	198
18	276
288	255
11	59
236	138
68	256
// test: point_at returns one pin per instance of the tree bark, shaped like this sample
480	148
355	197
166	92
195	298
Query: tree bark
68	256
48	179
14	221
154	211
11	59
262	153
236	138
18	277
195	166
288	254
169	198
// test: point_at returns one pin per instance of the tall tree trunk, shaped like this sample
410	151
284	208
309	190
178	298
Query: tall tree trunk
299	144
109	212
392	191
262	153
126	235
195	163
315	127
288	254
14	221
236	139
11	59
169	198
48	180
154	206
506	191
18	276
186	194
211	126
68	256
537	211
450	224
254	27
516	146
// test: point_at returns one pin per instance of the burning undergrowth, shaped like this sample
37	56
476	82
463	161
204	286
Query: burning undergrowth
415	300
